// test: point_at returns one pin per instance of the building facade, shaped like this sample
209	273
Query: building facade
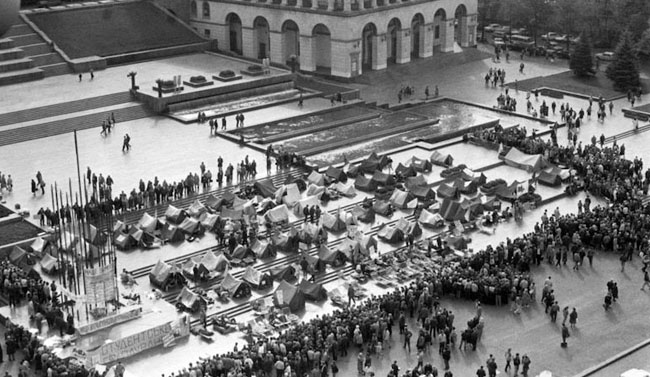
337	37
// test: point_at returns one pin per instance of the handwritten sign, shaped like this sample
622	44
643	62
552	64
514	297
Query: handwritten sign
110	320
100	284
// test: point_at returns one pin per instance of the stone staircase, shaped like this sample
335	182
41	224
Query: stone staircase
24	56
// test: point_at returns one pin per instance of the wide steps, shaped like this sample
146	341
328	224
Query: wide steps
56	69
27	39
64	108
11	54
58	127
6	43
36	49
16	65
18	29
24	75
47	59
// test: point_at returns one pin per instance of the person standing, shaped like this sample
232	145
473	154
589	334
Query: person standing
573	318
516	361
446	355
525	365
480	372
223	123
508	356
565	335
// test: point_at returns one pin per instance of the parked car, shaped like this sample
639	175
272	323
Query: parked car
519	42
491	27
561	38
498	42
500	34
605	56
550	36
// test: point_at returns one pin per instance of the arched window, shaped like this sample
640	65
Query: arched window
206	9
193	10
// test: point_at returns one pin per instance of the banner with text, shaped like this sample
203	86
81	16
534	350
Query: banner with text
100	284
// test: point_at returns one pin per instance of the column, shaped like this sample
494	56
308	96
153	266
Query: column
222	37
277	47
379	53
426	41
462	31
341	64
307	53
248	42
447	36
403	53
347	5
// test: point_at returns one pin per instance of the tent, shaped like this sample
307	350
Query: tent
416	181
228	198
353	171
363	183
196	209
119	226
312	291
232	214
165	275
242	252
262	249
330	256
210	261
213	202
48	263
345	190
171	233
289	194
39	246
382	207
421	165
521	160
235	287
452	210
289	296
365	215
448	191
391	234
299	182
370	164
336	175
458	243
191	226
440	159
403	199
93	236
314	190
314	263
333	223
424	193
19	258
209	220
512	191
238	203
549	178
383	179
257	279
468	174
175	215
467	188
266	188
222	263
279	214
280	242
286	272
431	220
148	223
405	171
124	241
188	268
189	300
367	242
302	203
316	178
308	232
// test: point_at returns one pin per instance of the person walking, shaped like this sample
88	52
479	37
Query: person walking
446	356
516	361
565	335
565	314
525	365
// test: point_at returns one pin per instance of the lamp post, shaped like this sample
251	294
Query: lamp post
132	75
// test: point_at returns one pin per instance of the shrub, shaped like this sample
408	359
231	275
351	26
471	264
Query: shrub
227	73
197	79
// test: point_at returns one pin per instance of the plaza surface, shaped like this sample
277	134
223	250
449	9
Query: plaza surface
169	150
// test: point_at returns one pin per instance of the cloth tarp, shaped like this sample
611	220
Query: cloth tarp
237	288
421	165
335	174
262	249
432	220
345	190
333	223
447	191
288	295
48	263
362	183
316	178
265	187
528	162
257	279
403	199
196	209
175	215
278	214
39	245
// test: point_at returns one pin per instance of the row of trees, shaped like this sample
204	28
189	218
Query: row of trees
604	20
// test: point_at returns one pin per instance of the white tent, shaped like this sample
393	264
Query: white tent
316	178
308	201
345	190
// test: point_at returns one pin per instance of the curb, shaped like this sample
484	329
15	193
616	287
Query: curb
613	359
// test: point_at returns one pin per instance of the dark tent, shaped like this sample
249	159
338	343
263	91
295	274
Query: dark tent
172	234
166	276
421	165
189	300
196	209
262	249
448	191
312	291
353	171
242	252
124	241
424	193
191	226
440	159
228	198
21	259
213	203
467	188
336	175
330	256
265	188
302	185
365	215
383	179
93	236
257	279
417	181
175	215
286	242
452	210
333	223
286	272
235	287
363	183
391	234
314	264
513	191
209	221
549	178
382	207
405	171
459	243
403	199
289	296
370	164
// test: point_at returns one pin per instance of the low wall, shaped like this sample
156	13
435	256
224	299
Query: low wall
162	104
158	53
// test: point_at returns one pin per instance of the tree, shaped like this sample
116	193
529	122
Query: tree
582	63
643	46
623	70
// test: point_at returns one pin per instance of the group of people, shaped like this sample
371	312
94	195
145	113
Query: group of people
108	124
6	183
37	184
495	76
